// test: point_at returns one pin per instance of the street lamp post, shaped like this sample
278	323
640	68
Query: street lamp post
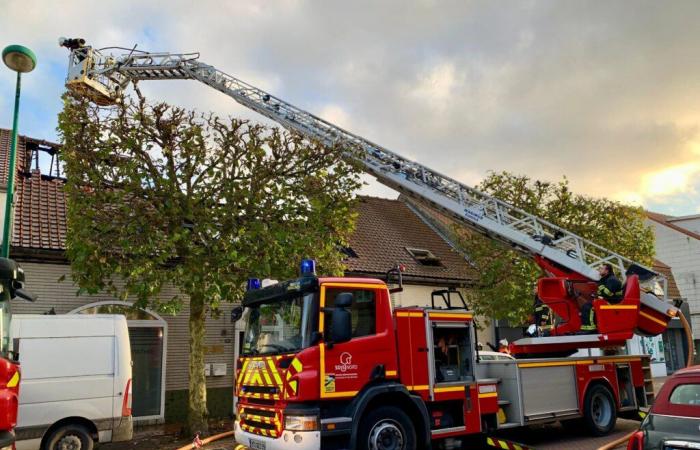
21	60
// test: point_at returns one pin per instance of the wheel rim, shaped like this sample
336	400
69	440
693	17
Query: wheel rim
386	435
601	410
70	442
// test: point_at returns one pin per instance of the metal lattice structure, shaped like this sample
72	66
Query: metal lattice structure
102	77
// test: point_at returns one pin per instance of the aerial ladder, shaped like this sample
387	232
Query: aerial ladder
569	261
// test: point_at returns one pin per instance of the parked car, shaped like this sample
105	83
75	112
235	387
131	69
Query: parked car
494	356
673	422
76	381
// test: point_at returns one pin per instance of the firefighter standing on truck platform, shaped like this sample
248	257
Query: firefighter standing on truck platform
609	288
542	317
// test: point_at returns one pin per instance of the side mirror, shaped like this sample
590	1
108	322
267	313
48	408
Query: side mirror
236	314
341	319
24	294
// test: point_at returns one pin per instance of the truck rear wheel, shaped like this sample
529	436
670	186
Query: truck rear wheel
599	410
69	437
386	428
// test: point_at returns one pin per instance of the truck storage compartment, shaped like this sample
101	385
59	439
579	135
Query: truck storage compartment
508	388
548	391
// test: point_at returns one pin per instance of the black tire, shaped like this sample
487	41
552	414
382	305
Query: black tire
386	428
69	437
599	410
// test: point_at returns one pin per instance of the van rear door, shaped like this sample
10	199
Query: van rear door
123	422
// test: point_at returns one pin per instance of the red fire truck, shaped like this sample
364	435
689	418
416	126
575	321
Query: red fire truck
11	286
327	362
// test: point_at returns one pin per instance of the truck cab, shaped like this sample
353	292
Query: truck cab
327	361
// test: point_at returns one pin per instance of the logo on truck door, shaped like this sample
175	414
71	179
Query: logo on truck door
346	364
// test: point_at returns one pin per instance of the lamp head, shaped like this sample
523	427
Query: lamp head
19	58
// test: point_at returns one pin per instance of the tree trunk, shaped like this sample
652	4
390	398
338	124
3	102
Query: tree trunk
197	414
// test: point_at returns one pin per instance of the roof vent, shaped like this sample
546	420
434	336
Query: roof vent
424	257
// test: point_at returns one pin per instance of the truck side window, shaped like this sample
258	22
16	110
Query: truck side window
363	310
453	354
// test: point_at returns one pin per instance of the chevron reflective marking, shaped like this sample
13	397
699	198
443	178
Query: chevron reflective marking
505	444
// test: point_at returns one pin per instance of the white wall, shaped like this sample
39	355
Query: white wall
691	223
682	253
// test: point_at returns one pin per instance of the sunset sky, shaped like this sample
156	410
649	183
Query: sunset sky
604	93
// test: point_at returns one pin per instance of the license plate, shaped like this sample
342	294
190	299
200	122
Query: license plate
255	444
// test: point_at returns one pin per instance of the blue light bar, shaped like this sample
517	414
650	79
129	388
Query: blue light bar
253	283
308	267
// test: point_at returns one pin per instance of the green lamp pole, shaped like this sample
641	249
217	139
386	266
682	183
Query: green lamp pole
21	60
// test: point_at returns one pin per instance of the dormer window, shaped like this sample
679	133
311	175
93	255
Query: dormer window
424	257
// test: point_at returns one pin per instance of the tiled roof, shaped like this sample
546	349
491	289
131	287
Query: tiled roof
40	209
666	220
385	228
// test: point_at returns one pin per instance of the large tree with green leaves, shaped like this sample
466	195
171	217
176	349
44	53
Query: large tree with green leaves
160	195
506	281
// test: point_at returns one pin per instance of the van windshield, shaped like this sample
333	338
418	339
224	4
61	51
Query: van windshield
4	328
279	325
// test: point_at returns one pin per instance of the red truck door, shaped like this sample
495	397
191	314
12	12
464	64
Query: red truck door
347	367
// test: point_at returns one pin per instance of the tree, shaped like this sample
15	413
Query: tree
507	278
157	195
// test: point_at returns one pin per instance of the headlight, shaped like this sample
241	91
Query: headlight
301	423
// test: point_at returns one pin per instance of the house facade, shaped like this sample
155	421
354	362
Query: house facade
678	245
388	233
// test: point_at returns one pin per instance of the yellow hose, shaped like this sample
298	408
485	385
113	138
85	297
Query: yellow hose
206	441
689	362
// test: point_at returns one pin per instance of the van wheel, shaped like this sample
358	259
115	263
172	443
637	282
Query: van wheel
69	437
599	410
387	428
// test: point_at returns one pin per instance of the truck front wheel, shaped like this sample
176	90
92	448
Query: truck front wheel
599	411
386	428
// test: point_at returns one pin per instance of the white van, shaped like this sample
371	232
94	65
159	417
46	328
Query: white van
75	388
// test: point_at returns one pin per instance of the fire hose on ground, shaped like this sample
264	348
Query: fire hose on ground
210	439
691	351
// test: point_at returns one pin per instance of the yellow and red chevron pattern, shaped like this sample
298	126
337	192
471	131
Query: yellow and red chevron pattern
260	420
292	385
261	378
506	445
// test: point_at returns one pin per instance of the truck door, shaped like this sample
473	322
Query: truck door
455	390
347	367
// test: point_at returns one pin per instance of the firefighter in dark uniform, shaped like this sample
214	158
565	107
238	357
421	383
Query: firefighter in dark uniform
609	288
543	316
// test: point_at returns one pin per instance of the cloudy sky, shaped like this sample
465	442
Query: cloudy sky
605	93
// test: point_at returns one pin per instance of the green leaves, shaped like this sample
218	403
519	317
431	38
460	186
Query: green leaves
507	279
159	196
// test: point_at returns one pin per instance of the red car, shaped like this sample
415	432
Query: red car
673	422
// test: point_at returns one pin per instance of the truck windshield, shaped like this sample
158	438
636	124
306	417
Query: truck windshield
4	328
279	326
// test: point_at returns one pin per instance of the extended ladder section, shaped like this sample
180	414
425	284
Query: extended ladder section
101	77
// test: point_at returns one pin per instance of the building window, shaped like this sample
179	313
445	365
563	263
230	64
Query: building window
424	257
